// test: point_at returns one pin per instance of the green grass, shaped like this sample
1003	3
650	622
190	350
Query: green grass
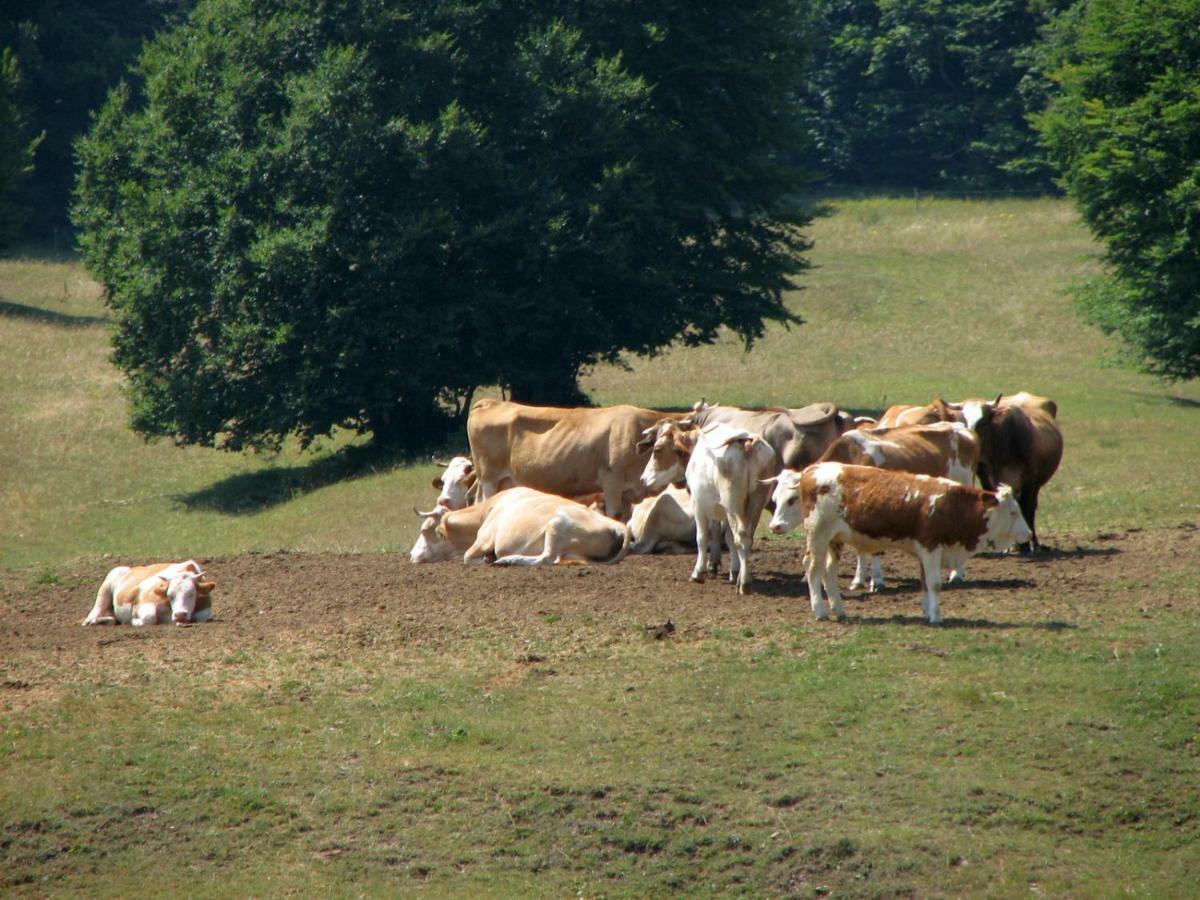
910	299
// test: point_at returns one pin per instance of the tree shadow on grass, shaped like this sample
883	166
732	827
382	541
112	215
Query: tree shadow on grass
252	492
11	310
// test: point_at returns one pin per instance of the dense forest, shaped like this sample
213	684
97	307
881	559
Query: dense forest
901	94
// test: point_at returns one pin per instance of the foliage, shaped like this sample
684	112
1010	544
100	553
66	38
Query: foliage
1125	131
339	214
16	148
71	54
925	93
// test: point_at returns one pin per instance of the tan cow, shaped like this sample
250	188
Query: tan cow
569	452
911	414
875	509
798	436
945	449
664	523
520	527
153	595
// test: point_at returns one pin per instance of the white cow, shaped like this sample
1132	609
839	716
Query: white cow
724	467
520	526
154	594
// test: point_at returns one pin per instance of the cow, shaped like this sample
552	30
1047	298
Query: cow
1020	444
911	414
520	527
724	467
456	483
875	509
152	595
561	451
663	523
946	449
798	436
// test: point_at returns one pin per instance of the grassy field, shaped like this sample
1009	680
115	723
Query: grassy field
910	299
1047	742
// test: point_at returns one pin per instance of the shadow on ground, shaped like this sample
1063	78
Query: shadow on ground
48	316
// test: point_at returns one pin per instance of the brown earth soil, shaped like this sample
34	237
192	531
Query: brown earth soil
337	603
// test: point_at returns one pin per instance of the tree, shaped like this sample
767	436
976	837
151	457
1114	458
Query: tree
1125	132
16	148
71	54
354	213
925	93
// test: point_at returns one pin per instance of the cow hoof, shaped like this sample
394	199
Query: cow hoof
857	585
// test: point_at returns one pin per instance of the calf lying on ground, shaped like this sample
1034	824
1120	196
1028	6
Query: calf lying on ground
154	594
520	526
876	509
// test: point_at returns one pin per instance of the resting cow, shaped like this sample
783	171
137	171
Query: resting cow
152	595
568	452
724	467
1020	444
946	449
664	523
875	509
520	526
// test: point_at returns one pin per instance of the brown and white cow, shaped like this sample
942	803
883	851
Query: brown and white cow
945	449
911	414
724	467
1020	444
568	452
153	595
520	527
456	483
876	509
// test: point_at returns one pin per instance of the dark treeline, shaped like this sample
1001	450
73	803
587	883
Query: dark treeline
902	94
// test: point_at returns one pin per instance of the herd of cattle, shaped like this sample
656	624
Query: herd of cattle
545	484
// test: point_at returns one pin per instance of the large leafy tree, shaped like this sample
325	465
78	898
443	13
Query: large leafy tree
16	147
322	213
925	93
1125	131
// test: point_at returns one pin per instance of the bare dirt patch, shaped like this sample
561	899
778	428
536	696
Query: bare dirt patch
325	605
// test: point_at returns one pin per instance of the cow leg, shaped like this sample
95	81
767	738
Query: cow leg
102	612
555	543
1028	501
956	562
703	548
832	591
817	561
145	614
718	536
868	562
931	578
740	553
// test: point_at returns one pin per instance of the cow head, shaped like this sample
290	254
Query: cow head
455	483
1005	524
785	494
670	448
432	545
183	590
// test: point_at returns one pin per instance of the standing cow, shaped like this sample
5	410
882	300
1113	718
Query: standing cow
875	509
570	452
724	467
1020	444
798	436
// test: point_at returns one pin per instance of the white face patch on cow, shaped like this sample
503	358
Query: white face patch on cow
786	497
972	412
431	545
456	482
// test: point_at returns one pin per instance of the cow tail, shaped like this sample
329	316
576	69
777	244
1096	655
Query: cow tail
624	549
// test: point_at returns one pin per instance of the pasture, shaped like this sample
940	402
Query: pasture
350	724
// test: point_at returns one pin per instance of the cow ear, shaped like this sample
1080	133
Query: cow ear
205	587
438	483
160	588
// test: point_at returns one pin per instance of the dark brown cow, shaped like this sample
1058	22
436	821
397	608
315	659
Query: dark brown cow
1020	444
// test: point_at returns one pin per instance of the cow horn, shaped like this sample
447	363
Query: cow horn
441	462
437	510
